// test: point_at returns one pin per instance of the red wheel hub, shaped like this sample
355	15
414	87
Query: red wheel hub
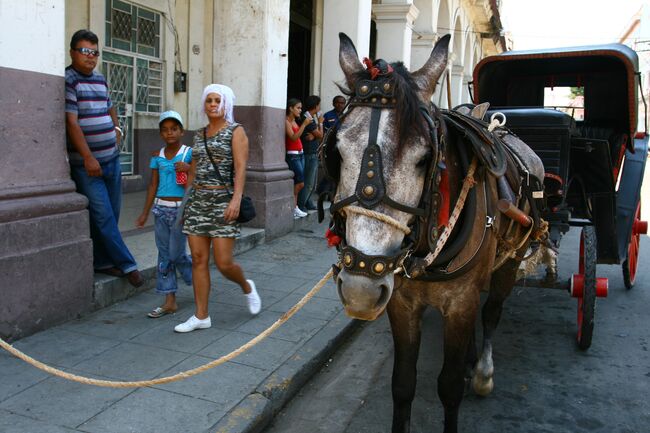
640	227
578	284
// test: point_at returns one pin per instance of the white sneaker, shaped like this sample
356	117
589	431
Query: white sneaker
253	299
297	213
193	323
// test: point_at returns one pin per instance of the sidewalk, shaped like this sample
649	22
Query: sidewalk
120	343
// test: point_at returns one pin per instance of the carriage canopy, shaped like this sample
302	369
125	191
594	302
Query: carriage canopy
607	73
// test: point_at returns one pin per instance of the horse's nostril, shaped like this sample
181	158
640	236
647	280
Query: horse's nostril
383	297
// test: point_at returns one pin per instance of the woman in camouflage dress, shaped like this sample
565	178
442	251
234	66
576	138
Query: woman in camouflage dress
210	216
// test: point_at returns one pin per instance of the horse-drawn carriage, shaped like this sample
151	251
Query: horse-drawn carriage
432	207
593	154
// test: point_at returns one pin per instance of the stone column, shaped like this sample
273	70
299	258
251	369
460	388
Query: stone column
353	19
394	19
457	75
465	96
250	56
46	274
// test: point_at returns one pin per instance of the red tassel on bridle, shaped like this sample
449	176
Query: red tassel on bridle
332	239
374	70
443	213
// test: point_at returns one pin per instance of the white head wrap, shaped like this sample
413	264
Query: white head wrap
227	100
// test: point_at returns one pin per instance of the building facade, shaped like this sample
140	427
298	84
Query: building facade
158	56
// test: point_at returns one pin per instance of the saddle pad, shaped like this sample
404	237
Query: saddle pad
487	147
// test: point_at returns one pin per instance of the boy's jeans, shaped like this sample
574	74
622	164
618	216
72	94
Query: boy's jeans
172	255
104	195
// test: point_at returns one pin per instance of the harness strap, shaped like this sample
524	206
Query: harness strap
419	266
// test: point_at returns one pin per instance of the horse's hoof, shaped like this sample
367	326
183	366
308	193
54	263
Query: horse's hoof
482	387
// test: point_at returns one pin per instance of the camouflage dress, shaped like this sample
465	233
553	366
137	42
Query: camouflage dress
203	215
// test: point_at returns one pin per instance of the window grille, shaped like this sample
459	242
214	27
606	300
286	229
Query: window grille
133	67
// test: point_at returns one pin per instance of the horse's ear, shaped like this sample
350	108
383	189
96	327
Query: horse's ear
349	59
427	76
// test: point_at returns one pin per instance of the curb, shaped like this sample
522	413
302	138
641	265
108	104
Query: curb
257	410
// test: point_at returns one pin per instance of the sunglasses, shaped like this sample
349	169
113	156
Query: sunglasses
88	52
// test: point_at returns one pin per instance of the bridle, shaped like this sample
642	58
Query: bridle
370	190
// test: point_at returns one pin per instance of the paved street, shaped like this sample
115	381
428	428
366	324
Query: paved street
543	383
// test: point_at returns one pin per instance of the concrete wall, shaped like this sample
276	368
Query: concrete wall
46	270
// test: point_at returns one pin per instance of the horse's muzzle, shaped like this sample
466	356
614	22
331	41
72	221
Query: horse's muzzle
364	298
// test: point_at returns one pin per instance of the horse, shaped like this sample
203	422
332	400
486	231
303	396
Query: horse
398	164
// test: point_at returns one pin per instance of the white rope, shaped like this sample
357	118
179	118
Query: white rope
182	375
379	216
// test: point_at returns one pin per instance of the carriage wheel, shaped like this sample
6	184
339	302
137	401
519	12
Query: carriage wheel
587	302
630	264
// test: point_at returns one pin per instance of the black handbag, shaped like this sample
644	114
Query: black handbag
246	207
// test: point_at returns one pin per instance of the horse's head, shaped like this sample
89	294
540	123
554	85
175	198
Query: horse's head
386	153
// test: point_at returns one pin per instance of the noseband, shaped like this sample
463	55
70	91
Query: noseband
370	190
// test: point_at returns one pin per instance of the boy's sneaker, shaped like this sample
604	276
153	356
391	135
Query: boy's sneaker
297	213
253	299
193	323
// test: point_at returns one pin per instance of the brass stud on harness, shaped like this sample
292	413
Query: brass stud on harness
384	100
379	267
371	163
363	90
347	259
368	190
373	100
370	174
362	264
387	87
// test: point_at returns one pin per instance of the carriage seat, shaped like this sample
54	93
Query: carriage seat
548	132
616	140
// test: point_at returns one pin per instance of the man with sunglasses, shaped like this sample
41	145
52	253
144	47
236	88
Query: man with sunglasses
93	136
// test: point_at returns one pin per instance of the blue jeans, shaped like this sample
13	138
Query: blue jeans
311	172
104	195
172	254
296	163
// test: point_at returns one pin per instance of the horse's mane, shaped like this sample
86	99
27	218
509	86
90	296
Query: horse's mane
409	121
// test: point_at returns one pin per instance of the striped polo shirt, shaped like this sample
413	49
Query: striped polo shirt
87	96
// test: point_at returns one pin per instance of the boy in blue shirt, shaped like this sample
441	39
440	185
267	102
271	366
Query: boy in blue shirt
169	168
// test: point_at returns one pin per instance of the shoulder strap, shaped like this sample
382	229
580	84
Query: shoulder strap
207	150
185	149
162	152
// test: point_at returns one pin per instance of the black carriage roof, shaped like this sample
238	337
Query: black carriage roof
608	72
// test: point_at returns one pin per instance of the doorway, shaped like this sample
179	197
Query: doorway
300	36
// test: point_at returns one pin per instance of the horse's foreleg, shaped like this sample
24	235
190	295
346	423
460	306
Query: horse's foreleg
500	287
405	321
459	327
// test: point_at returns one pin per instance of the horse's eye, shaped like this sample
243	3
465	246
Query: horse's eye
423	161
